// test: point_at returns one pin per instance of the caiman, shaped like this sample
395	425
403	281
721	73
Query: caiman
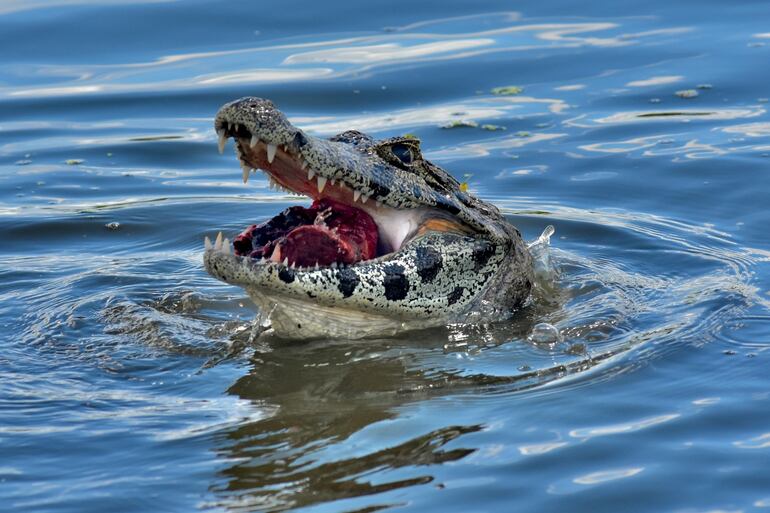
390	242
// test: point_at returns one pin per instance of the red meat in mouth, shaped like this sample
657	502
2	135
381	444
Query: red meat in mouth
328	232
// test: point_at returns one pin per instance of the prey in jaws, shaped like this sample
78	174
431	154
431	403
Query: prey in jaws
390	242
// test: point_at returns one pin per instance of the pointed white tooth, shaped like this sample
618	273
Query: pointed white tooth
304	165
316	266
226	246
207	243
364	198
245	170
294	265
286	261
222	140
271	152
356	195
237	127
310	174
321	183
254	140
218	242
333	181
229	126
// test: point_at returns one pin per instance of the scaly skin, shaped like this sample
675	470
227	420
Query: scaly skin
450	256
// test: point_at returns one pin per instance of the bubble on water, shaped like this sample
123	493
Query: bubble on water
545	333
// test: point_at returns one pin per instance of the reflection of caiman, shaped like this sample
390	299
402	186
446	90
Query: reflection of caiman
390	241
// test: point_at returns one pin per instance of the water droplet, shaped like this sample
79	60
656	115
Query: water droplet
545	333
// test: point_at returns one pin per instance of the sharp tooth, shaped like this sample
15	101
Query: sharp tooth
207	243
254	140
237	128
364	198
316	266
226	246
333	181
310	174
229	126
245	170
271	152
294	265
218	242
222	141
356	195
321	183
304	164
286	262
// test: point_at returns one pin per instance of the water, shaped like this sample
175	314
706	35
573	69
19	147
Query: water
637	381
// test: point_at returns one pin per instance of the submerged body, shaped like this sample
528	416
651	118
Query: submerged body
391	242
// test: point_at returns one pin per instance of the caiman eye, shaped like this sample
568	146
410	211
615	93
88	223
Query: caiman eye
402	153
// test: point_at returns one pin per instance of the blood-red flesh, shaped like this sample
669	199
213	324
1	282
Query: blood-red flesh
328	232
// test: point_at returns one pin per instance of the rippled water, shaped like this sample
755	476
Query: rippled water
128	381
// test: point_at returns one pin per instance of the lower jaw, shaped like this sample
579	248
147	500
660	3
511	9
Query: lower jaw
292	318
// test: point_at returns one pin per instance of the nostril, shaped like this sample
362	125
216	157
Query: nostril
299	139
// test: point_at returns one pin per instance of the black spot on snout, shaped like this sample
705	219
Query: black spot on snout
286	275
482	252
429	263
348	281
380	190
395	282
455	295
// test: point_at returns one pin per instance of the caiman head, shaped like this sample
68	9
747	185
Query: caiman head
390	241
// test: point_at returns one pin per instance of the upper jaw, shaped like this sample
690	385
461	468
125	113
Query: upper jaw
258	125
317	168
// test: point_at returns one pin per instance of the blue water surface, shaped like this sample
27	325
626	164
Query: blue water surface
641	132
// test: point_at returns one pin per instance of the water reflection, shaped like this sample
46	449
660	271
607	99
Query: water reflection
656	81
677	115
323	396
437	40
604	476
